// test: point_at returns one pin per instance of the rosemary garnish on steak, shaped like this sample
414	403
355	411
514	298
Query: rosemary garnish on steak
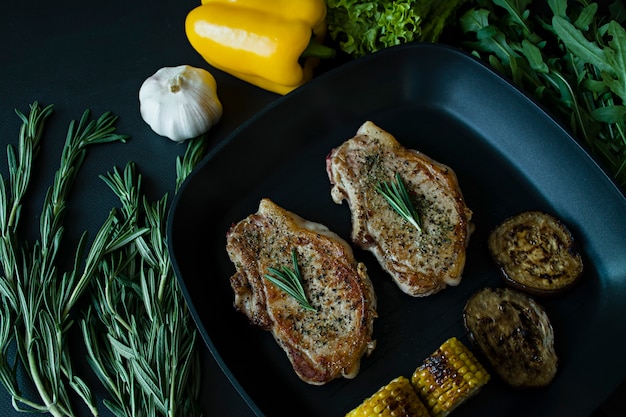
290	281
397	196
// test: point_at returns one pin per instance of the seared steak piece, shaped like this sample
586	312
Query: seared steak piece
421	262
324	344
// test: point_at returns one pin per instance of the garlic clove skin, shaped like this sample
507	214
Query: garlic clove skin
180	102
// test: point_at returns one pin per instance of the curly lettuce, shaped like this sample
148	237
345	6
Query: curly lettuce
361	27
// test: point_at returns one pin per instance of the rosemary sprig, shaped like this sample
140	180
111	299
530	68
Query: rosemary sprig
397	196
196	149
139	334
290	281
36	297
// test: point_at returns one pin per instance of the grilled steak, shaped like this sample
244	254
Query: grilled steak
324	344
421	262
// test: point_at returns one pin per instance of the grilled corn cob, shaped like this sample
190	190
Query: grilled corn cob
397	398
448	377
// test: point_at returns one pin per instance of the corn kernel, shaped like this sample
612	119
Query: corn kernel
448	377
397	398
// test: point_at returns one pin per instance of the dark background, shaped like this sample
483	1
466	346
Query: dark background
81	55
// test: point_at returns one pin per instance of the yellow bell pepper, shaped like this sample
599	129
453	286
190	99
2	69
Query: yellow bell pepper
274	45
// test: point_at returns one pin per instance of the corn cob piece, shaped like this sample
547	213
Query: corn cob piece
448	377
396	399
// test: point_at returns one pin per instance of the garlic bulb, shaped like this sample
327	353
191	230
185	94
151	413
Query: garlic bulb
180	102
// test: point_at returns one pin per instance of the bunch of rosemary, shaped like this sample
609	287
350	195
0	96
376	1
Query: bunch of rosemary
137	330
35	297
571	56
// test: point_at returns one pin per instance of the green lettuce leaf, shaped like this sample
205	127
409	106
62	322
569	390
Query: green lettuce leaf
360	27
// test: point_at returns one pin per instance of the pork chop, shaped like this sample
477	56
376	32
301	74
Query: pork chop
421	262
321	345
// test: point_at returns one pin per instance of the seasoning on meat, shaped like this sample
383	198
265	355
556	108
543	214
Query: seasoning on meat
421	260
322	343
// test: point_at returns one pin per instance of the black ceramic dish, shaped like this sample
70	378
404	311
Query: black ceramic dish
509	156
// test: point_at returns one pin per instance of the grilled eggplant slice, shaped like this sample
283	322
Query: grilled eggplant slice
514	333
535	253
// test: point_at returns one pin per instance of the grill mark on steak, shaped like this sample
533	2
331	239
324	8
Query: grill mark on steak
420	262
322	345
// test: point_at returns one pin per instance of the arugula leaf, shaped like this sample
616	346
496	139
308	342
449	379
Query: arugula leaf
569	56
616	57
577	43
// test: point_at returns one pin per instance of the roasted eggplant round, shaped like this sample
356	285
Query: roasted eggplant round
535	253
514	333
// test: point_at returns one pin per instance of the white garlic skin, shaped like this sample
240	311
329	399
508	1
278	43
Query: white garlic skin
180	102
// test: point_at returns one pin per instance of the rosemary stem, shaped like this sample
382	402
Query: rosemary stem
162	283
52	406
172	391
111	310
12	216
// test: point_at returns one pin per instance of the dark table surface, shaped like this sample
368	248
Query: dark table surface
81	55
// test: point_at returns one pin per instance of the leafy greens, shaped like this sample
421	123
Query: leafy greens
571	57
361	27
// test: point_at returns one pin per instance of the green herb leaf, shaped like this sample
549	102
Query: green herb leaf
290	281
616	56
575	41
194	153
610	114
398	197
534	57
586	17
